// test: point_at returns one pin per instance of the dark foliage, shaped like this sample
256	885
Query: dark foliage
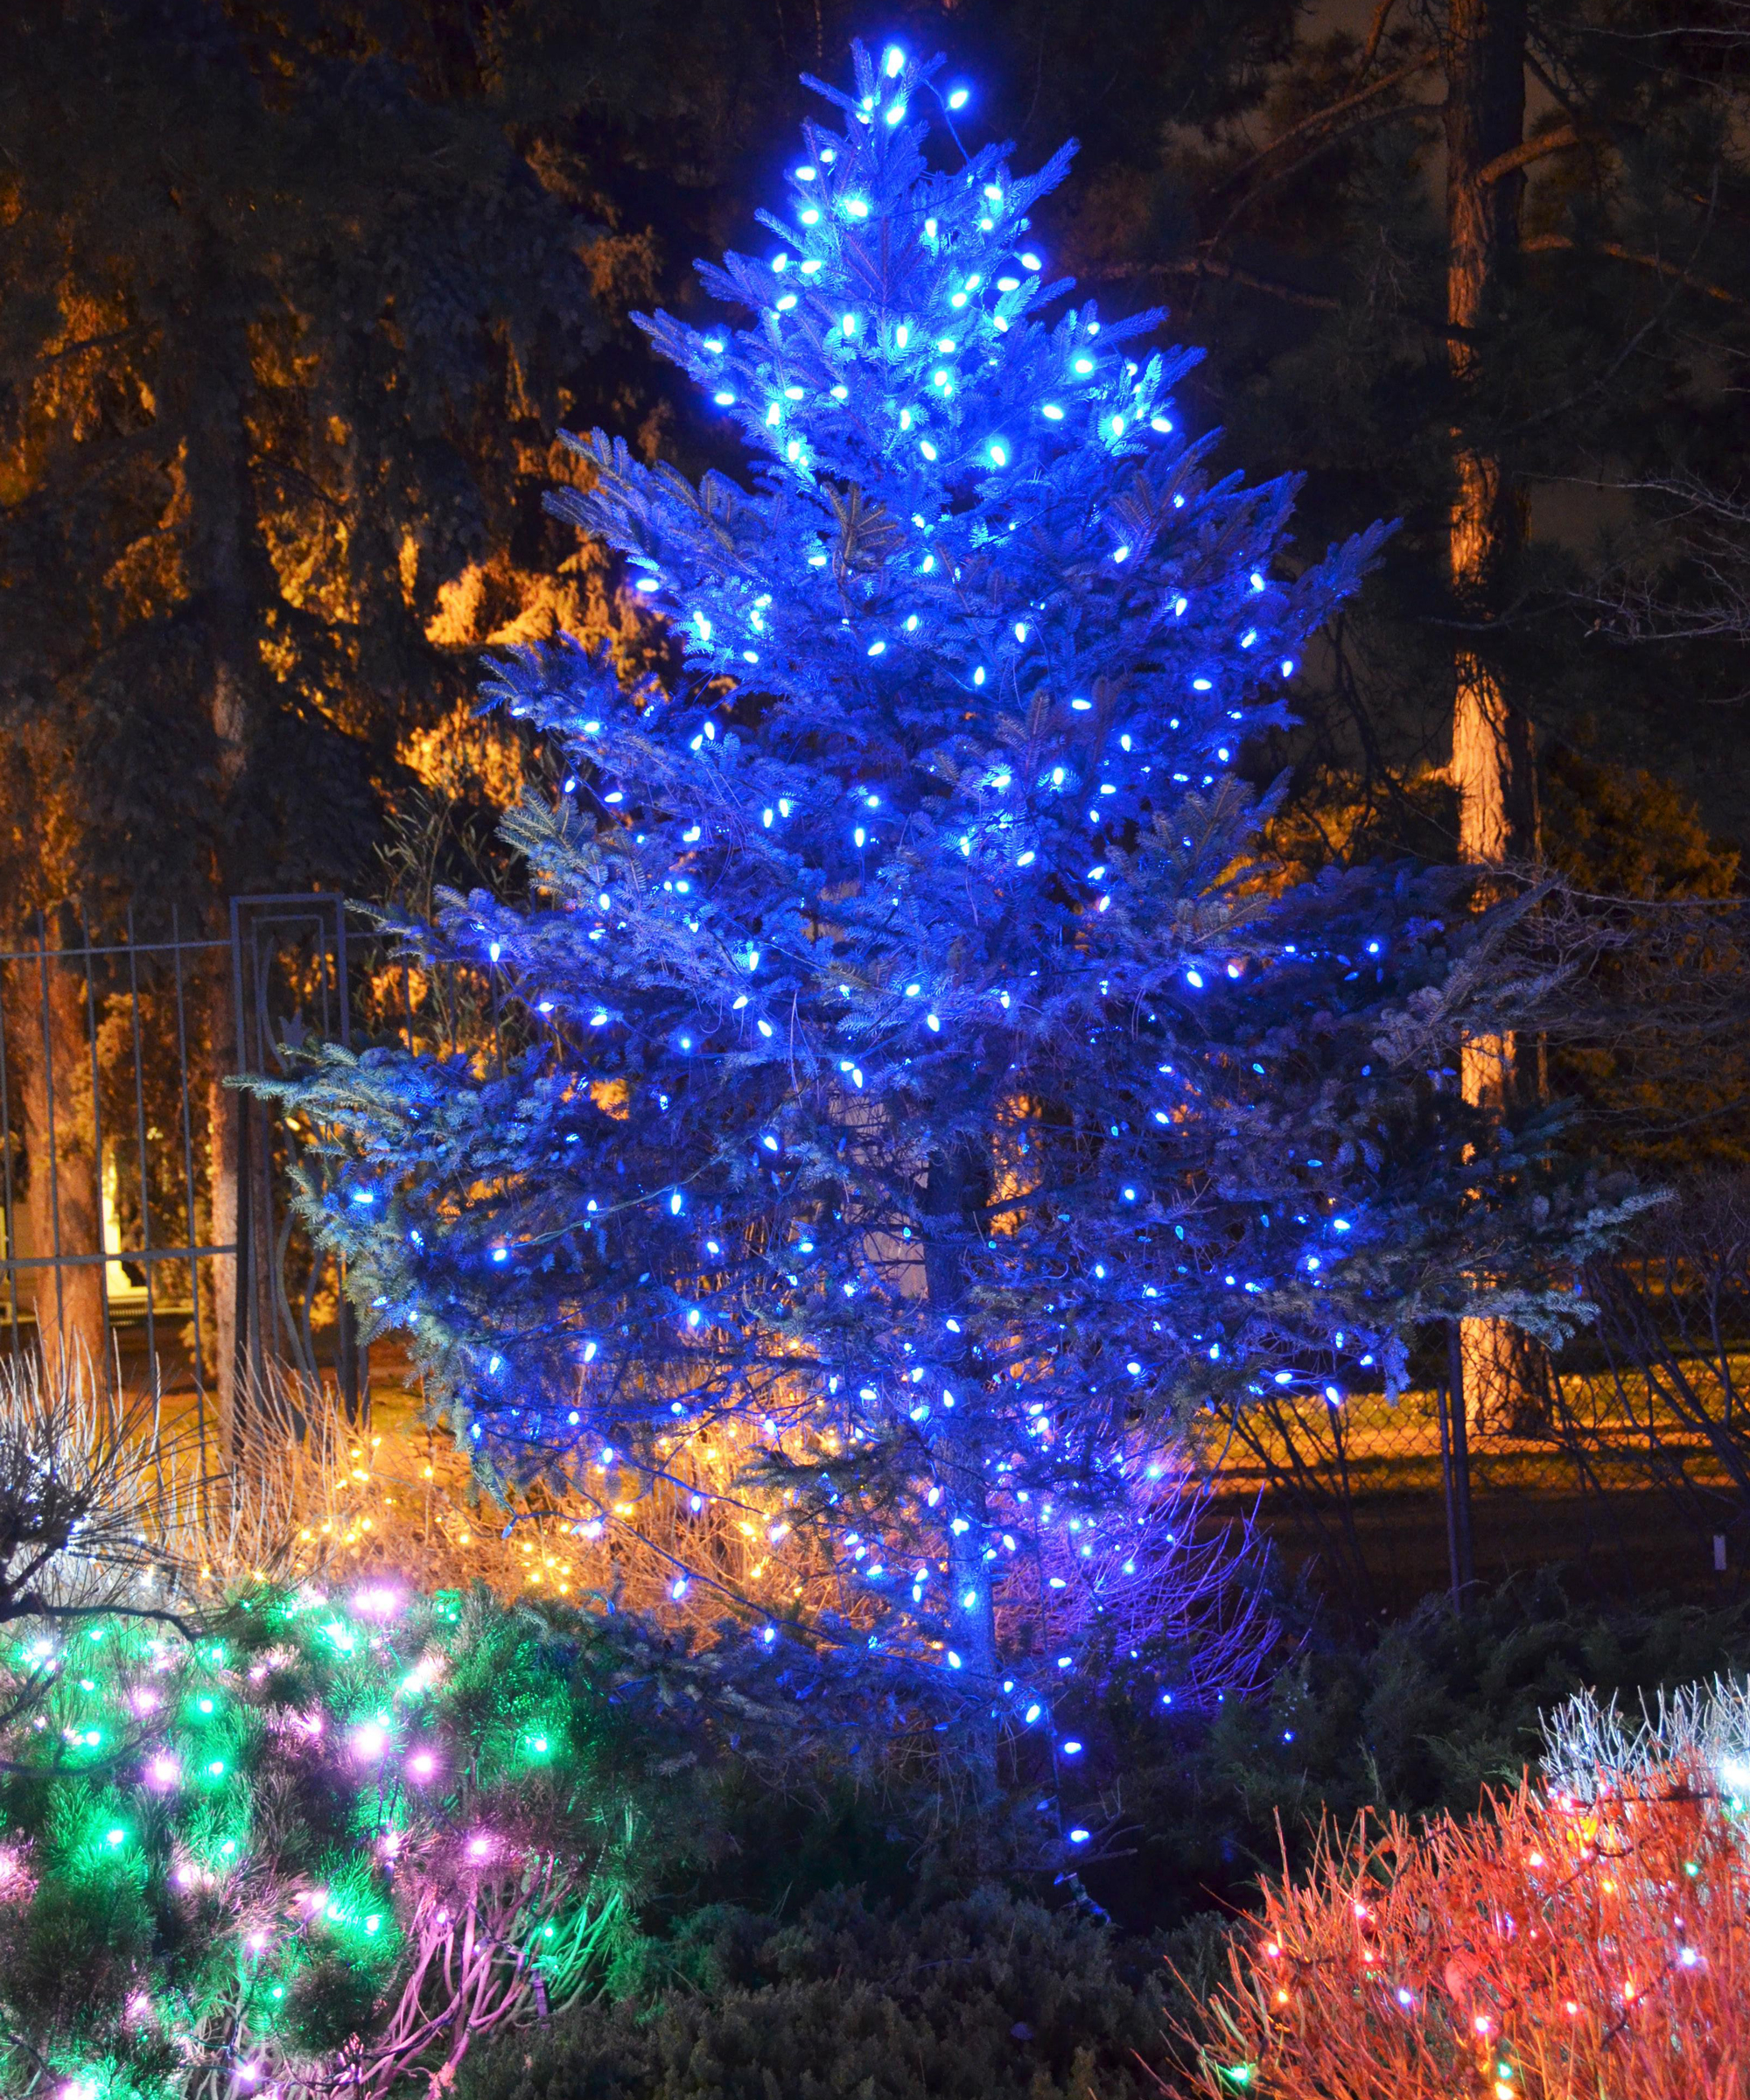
981	1997
1417	1720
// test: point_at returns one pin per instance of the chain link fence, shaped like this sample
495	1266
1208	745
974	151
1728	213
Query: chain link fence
1627	1455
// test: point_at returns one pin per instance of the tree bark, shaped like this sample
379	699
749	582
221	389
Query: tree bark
953	1193
212	413
49	1041
1491	751
1493	756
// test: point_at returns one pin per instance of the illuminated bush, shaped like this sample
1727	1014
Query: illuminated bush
331	1843
1562	1945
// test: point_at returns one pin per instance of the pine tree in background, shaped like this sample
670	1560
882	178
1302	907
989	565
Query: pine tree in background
907	1078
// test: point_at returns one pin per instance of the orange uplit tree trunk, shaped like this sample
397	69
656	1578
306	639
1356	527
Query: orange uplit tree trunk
216	463
49	1049
1493	760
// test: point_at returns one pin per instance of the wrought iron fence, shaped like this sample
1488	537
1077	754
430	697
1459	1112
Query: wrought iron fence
144	1225
146	1222
107	1104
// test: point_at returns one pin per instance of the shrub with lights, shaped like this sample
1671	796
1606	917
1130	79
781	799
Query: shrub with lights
325	1848
909	1096
1585	1934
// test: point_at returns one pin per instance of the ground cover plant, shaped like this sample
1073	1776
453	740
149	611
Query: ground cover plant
982	1997
242	1845
773	1969
1416	1718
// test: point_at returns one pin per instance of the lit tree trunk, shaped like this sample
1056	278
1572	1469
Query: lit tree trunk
50	1043
1491	745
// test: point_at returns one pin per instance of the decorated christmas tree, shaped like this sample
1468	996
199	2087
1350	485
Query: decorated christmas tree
910	1093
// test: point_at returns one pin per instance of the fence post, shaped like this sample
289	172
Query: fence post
352	1363
228	1122
1455	1467
259	1342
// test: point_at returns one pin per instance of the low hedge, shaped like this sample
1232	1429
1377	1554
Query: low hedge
986	1996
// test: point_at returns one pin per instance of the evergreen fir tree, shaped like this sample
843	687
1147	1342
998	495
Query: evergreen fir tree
905	1066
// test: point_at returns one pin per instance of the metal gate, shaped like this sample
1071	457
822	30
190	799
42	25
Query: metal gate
145	1225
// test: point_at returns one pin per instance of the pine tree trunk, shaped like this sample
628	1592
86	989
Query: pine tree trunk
50	1045
1492	767
1492	753
221	553
952	1193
